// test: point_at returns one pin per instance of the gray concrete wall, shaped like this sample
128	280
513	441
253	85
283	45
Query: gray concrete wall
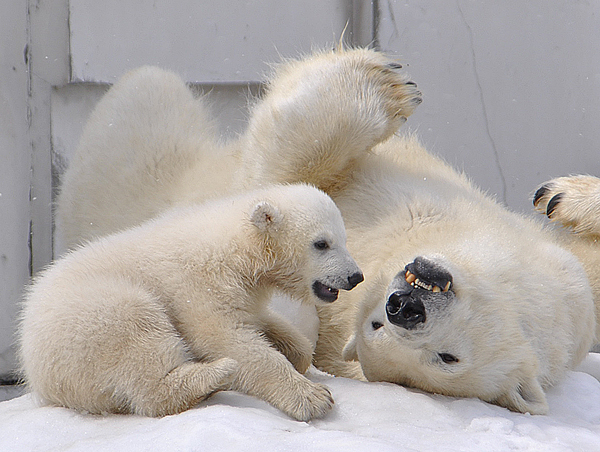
511	88
15	165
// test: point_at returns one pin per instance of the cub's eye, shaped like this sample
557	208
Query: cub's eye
321	245
448	358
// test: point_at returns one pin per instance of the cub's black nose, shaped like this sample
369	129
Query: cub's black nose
355	279
405	311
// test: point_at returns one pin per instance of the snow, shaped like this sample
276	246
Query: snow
377	417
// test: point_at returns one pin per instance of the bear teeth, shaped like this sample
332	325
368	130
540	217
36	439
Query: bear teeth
416	282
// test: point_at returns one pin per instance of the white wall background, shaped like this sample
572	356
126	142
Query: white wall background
15	164
511	89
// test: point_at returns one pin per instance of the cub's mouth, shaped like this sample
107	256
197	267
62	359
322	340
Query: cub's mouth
325	293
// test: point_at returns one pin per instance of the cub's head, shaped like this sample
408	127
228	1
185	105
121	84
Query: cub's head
304	231
500	331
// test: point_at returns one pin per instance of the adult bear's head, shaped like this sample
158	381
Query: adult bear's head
482	320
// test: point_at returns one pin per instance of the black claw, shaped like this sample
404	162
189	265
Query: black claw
411	83
539	194
394	65
552	204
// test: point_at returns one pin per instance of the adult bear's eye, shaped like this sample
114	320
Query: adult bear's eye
321	245
376	325
448	358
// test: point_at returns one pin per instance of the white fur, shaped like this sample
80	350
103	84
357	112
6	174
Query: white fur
154	319
521	309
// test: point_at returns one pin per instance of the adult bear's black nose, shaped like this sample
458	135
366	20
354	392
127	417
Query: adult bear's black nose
405	311
355	279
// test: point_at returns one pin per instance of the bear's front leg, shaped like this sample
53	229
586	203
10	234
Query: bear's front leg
572	201
322	114
286	338
265	373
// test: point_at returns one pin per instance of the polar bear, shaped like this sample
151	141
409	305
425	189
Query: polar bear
153	319
462	297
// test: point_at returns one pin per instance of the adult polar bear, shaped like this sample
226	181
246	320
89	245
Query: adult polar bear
461	296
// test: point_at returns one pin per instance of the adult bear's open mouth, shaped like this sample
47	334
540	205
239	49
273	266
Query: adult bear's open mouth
325	293
427	275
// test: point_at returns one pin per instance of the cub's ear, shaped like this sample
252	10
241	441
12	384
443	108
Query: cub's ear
266	217
349	352
526	397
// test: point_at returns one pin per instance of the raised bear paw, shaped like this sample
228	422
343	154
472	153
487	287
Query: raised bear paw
400	93
323	113
572	201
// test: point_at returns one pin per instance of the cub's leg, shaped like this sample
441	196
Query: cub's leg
322	114
573	202
264	372
110	347
286	338
181	388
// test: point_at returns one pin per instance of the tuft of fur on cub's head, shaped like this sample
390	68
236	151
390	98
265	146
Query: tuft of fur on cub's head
301	225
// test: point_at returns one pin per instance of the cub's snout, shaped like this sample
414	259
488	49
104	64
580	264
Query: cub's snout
354	280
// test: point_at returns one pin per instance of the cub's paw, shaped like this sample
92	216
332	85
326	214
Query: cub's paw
309	401
572	201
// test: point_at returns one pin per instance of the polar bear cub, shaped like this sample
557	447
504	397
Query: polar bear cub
156	318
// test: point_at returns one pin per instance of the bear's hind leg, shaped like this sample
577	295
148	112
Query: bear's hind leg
149	367
112	347
183	387
142	138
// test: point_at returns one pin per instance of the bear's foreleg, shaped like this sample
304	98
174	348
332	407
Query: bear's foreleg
572	201
321	115
264	372
286	338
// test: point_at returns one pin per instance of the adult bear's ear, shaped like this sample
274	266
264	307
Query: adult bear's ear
526	397
266	217
349	352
